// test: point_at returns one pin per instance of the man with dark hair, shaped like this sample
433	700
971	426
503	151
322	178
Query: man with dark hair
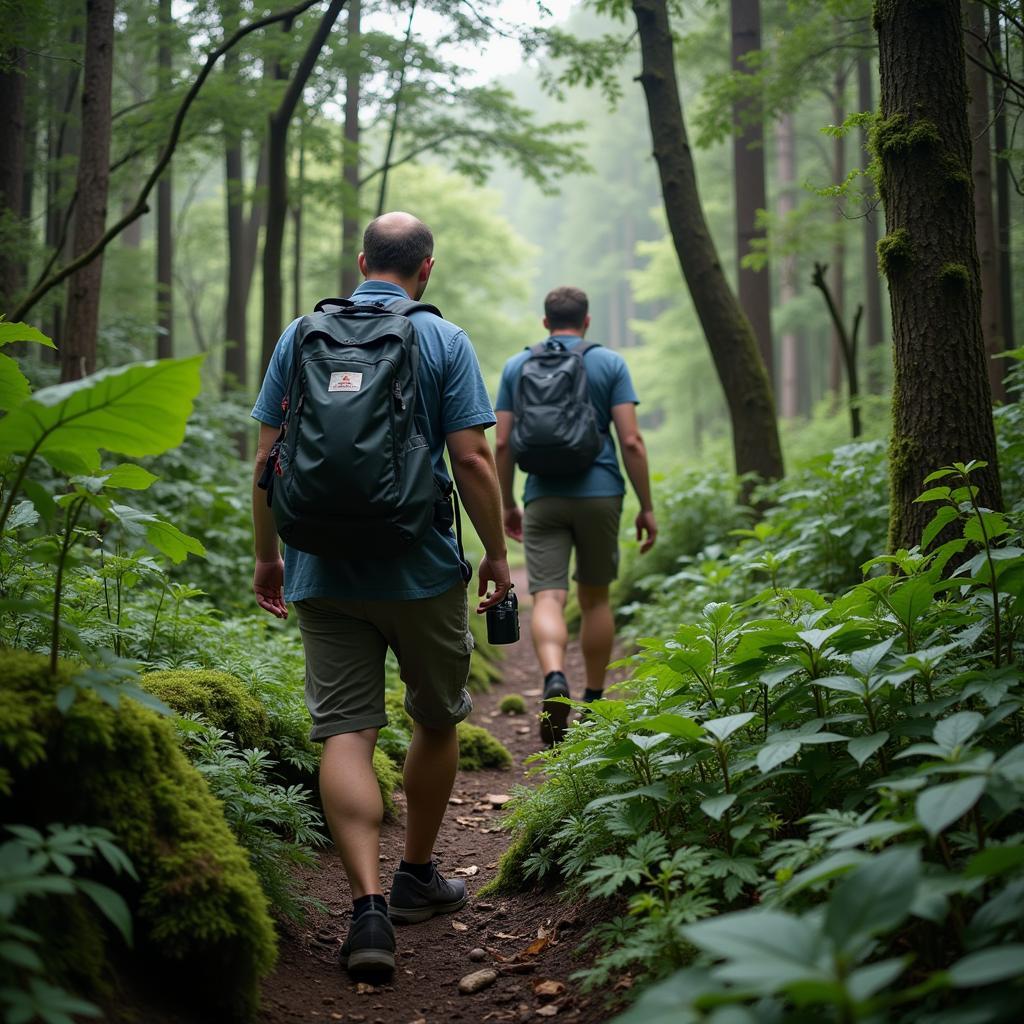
579	512
351	611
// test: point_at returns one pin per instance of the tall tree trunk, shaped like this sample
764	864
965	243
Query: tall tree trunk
12	168
785	172
235	304
984	211
942	403
78	349
755	288
165	208
1002	188
277	183
350	157
730	337
297	219
874	328
837	276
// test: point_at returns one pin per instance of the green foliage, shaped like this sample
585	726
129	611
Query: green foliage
389	778
198	906
895	135
895	252
512	704
479	750
800	784
954	275
42	873
221	699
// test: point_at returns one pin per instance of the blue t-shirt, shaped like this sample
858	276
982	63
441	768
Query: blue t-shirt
453	397
610	385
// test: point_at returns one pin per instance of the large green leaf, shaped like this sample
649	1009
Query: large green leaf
956	730
165	537
716	806
14	385
135	410
774	754
862	747
873	898
723	728
910	600
988	966
675	725
10	333
942	805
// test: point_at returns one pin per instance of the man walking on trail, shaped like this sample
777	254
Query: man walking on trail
579	511
351	611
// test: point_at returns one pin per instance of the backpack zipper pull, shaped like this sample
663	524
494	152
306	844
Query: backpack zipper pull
396	390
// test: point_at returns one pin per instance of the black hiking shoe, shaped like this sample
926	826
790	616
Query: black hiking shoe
554	718
412	901
369	950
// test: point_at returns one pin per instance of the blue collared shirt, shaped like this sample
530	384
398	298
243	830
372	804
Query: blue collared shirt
610	384
453	397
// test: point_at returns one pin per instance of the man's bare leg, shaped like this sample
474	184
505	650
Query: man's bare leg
597	633
430	767
353	807
547	624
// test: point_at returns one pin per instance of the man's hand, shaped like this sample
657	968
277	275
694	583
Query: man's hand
514	523
268	586
496	570
645	524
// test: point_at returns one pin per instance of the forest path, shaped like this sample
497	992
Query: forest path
308	983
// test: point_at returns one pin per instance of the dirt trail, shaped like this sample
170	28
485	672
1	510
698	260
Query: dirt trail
308	984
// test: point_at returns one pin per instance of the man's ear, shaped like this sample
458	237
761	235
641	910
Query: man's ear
361	261
586	321
547	326
425	268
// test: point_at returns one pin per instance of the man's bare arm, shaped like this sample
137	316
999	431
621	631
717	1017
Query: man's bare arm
268	578
634	455
513	515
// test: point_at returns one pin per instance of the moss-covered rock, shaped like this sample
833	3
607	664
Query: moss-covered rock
198	907
478	749
221	698
512	704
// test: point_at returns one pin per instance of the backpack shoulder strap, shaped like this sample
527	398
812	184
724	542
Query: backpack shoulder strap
406	307
323	304
584	347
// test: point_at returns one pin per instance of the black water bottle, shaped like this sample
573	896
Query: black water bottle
503	620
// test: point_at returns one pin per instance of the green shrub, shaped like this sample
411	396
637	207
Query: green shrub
219	697
478	749
512	704
484	663
389	778
198	907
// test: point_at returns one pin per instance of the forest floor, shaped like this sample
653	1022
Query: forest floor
308	983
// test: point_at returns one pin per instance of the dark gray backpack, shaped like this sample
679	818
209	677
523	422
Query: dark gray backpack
350	475
555	430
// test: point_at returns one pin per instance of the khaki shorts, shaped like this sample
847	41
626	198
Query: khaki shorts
552	527
346	643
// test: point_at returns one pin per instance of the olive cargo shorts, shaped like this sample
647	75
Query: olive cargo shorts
553	526
346	643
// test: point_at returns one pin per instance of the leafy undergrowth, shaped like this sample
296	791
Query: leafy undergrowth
810	800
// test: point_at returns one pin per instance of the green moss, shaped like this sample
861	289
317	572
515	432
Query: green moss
955	174
512	704
954	275
478	749
510	876
485	661
389	778
394	707
221	698
199	910
895	252
895	135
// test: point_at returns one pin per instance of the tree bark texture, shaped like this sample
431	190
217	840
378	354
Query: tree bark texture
78	341
165	208
755	289
837	278
942	403
12	168
350	240
874	328
984	209
277	183
1002	188
730	338
789	343
297	211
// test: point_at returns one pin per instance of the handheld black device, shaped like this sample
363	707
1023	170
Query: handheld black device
503	620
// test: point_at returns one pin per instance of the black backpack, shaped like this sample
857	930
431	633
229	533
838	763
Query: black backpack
350	475
555	430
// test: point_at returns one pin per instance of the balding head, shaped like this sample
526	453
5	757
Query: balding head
396	243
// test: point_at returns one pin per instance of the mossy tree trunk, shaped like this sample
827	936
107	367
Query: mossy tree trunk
729	335
942	403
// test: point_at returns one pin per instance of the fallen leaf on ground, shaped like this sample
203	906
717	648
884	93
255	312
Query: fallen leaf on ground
477	981
364	989
467	872
624	984
537	946
456	800
492	866
498	799
531	693
523	730
548	989
500	957
547	1011
460	927
514	967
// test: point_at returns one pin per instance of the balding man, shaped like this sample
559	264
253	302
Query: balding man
351	611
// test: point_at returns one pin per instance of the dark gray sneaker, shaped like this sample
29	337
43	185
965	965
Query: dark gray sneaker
554	718
412	901
369	949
